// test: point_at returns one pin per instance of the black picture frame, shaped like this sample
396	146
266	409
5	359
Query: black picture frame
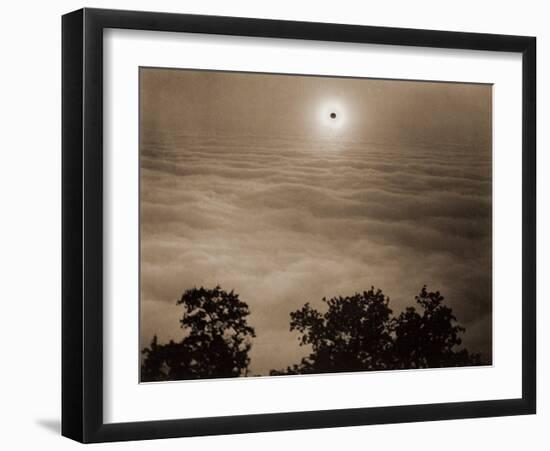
82	222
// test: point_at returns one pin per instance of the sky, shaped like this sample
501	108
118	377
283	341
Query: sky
247	182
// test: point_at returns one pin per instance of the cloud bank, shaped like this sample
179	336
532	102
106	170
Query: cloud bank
287	220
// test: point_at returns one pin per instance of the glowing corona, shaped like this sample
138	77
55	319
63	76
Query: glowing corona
333	117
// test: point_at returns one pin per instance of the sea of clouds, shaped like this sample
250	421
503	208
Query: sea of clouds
284	221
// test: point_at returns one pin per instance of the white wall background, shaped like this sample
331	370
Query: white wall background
30	217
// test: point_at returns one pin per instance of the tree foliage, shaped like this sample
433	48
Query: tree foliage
429	338
216	343
352	333
358	333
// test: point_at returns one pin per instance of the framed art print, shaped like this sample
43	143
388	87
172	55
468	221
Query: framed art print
274	225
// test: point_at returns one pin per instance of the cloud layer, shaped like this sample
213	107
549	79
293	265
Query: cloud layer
289	220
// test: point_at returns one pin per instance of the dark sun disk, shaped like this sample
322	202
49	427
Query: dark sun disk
333	115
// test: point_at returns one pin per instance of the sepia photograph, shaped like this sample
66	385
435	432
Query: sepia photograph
304	224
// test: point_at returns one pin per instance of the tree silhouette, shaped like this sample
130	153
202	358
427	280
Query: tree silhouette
429	339
353	334
358	333
216	344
